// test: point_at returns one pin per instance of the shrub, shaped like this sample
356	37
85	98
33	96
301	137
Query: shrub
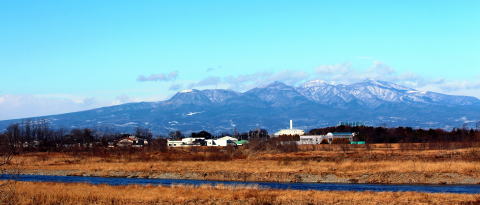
340	141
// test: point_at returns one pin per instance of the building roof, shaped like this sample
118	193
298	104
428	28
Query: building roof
290	132
228	138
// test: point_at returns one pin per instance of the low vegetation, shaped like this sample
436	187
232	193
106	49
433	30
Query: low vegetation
380	163
60	193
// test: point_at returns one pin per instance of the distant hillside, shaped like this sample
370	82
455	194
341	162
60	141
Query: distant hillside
311	105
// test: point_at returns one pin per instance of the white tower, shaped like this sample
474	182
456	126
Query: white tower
291	124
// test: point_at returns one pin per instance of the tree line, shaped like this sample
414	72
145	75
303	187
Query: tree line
404	134
38	135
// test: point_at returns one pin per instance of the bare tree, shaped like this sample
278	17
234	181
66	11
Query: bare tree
7	150
144	133
465	126
175	134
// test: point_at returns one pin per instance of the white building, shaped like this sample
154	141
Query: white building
185	142
312	139
317	139
290	131
224	141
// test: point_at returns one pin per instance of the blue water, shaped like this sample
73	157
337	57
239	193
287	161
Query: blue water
470	189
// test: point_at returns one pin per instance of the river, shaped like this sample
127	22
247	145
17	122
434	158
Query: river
466	189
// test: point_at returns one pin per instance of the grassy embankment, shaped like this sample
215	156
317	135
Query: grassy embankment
59	193
322	163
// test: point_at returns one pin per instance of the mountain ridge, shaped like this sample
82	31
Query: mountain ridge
312	104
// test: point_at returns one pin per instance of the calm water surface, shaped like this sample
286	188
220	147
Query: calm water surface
470	189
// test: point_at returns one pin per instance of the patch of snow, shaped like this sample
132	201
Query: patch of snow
186	91
232	124
126	124
192	113
417	91
173	123
465	120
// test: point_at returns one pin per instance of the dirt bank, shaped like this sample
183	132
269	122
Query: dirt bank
377	178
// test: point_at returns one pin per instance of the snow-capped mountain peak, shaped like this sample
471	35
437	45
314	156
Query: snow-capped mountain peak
373	93
219	95
317	83
383	84
187	91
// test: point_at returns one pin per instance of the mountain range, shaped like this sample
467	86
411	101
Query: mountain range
313	104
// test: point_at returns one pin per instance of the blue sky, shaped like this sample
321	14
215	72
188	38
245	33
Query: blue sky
62	56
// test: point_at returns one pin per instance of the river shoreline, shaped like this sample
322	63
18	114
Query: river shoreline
112	181
361	167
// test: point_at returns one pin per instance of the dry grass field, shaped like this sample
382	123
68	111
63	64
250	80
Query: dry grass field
59	193
355	164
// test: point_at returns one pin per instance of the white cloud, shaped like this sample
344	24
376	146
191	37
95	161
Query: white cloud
23	106
159	77
209	81
346	73
249	81
460	85
122	99
336	69
339	73
463	87
175	87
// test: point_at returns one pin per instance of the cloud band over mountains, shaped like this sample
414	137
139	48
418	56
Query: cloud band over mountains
17	106
159	77
340	73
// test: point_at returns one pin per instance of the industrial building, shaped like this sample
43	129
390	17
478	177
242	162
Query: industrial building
290	131
186	142
318	139
314	139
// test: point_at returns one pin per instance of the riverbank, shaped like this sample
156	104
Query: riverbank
75	193
376	166
373	178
